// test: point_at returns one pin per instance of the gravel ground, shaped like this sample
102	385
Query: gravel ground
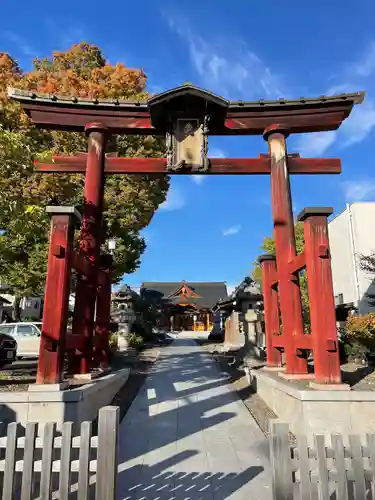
18	376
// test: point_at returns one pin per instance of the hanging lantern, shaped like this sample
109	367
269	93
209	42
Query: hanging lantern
186	115
187	144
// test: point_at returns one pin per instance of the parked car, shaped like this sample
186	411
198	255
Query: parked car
8	348
27	336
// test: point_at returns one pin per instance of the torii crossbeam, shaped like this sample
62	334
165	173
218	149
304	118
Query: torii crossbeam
219	166
187	116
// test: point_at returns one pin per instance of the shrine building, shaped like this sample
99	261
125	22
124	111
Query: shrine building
184	305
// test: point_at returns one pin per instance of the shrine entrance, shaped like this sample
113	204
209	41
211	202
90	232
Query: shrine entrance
184	306
183	319
186	117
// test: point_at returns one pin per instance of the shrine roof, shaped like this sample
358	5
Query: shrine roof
301	115
29	96
191	90
247	289
209	293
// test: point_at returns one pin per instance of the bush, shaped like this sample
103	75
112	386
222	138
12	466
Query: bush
113	342
360	336
135	341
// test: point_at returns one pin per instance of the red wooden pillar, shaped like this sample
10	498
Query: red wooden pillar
271	308
103	313
289	290
90	241
56	299
321	297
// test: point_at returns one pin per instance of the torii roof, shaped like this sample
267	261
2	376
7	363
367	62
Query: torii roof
231	117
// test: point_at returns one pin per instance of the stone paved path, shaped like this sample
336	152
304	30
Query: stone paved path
187	436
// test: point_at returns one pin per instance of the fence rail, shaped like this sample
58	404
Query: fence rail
326	471
33	466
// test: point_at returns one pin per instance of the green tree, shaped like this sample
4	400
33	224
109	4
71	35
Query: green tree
268	246
130	201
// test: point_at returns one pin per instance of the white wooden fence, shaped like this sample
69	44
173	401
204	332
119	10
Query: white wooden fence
60	466
326	471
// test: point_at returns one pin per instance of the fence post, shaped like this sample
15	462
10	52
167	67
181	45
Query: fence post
281	467
107	453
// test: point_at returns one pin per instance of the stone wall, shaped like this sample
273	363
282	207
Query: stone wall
316	411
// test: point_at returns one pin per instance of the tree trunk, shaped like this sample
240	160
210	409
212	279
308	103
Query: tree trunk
17	308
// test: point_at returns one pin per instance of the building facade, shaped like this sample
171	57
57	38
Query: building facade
184	305
350	237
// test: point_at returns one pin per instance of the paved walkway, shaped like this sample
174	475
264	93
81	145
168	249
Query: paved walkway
187	436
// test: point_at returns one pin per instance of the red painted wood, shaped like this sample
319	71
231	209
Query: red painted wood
321	298
271	312
304	342
289	291
82	265
90	241
219	166
297	264
74	343
246	120
75	118
296	121
56	302
103	313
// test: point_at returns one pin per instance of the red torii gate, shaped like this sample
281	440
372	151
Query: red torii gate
184	114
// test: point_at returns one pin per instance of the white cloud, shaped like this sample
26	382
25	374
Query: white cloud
360	123
65	34
216	153
175	200
365	65
229	67
353	77
316	143
212	153
230	231
358	190
198	179
22	45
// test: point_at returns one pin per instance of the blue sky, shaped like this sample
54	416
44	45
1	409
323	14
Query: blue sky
212	230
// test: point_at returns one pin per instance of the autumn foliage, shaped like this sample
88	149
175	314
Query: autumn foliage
130	201
361	330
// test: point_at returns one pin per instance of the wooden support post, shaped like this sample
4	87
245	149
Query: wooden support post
321	298
103	313
91	239
56	299
289	289
271	308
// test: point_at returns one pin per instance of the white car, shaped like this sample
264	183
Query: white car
27	335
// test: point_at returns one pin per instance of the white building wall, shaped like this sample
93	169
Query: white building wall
363	215
31	307
350	237
342	258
